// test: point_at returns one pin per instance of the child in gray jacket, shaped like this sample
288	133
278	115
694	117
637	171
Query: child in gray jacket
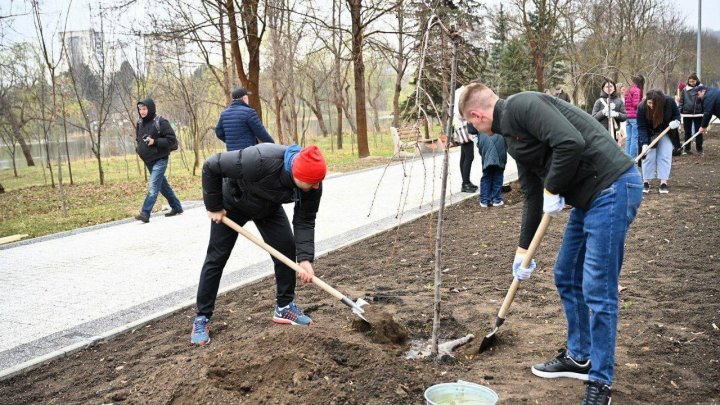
494	156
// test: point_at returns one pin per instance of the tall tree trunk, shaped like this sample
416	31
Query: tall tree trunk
252	40
359	80
16	130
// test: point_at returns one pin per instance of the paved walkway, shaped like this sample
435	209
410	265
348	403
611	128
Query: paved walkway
65	291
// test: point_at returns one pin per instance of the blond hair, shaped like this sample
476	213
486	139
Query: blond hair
475	95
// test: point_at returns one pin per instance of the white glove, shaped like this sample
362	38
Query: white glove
614	114
520	273
612	106
552	203
674	124
605	112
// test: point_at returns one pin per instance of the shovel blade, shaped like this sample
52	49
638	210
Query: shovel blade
488	341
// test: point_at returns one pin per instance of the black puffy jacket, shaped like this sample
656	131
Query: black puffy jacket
255	182
164	138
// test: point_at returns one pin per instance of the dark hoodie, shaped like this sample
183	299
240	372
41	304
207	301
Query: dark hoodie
165	139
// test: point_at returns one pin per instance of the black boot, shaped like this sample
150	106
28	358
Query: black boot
174	212
142	217
468	188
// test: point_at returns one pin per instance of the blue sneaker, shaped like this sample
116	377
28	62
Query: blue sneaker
201	331
292	315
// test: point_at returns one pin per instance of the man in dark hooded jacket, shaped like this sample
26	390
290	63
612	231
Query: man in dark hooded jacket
251	185
155	139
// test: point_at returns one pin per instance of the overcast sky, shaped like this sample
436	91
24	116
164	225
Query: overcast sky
23	28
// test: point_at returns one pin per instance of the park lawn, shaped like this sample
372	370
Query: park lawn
32	206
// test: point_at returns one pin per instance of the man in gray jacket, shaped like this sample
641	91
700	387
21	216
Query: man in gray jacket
564	154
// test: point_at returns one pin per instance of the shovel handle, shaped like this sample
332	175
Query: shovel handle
656	140
695	135
539	234
276	254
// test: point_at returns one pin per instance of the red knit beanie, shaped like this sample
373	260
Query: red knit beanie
309	165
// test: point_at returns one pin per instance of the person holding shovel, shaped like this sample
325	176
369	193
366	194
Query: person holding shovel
656	113
711	105
564	154
251	185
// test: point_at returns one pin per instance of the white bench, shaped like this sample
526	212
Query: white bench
406	138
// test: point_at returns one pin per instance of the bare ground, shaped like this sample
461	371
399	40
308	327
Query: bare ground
668	344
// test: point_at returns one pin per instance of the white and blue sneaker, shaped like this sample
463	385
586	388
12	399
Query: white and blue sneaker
201	331
291	315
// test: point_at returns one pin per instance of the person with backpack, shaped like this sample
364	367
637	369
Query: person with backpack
155	139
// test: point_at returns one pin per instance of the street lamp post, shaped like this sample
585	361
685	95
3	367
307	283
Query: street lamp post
699	40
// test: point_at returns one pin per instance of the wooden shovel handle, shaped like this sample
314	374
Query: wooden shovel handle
539	233
656	140
276	254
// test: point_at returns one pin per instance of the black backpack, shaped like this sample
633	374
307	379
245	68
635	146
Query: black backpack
156	123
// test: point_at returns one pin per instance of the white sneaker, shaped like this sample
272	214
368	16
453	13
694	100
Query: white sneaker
483	205
498	204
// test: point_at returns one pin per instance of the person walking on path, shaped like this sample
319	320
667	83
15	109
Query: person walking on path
155	139
239	125
564	154
494	157
656	113
633	96
609	104
467	151
711	105
691	110
251	185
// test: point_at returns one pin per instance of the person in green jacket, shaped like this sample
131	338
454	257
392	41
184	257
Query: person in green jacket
565	155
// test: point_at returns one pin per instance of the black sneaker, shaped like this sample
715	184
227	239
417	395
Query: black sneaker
562	366
597	394
143	218
174	212
646	187
664	189
469	188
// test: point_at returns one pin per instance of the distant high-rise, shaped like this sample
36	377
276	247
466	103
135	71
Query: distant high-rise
82	47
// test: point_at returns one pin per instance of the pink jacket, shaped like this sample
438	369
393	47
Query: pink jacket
632	99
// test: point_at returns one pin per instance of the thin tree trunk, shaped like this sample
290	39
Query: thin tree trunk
359	77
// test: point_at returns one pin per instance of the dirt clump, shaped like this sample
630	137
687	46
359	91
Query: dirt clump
381	327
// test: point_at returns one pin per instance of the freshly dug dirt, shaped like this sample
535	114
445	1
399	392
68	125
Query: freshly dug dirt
668	340
381	327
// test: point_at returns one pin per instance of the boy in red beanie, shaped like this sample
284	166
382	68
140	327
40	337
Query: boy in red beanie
251	185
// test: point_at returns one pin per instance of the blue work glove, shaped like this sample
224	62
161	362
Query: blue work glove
552	203
520	273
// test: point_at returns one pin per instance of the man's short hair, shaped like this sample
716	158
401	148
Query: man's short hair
240	92
471	98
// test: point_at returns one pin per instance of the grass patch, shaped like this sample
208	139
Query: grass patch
30	205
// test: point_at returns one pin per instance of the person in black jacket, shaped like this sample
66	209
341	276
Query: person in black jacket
251	185
155	139
656	113
691	109
564	154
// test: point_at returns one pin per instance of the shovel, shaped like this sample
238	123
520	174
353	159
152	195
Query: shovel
355	306
490	338
656	140
693	137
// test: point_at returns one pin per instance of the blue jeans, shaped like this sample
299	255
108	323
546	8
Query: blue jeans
587	272
491	185
158	183
631	142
